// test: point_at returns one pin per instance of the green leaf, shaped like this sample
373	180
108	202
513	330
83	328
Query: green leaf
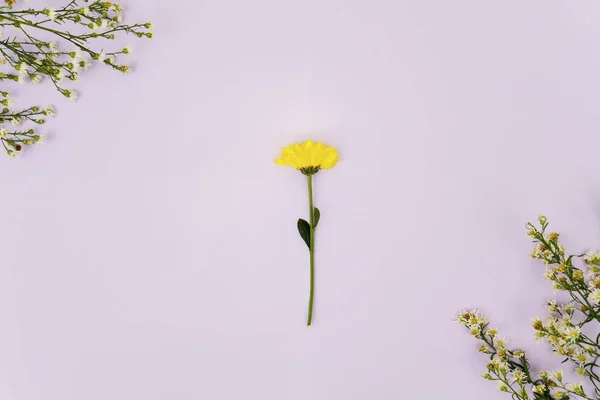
304	230
317	217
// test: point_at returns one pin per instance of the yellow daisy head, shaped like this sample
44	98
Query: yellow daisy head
308	157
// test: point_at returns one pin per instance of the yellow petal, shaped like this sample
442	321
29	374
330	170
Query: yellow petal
308	154
329	162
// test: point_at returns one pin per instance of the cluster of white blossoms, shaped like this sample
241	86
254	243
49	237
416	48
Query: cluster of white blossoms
565	337
15	138
30	55
507	367
563	328
103	21
548	250
592	259
511	369
561	270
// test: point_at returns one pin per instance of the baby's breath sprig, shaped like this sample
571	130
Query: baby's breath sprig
565	328
38	44
14	139
560	269
510	368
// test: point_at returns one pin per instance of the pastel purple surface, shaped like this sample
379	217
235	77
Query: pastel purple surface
150	248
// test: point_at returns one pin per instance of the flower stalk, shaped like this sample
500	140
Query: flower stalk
309	158
311	210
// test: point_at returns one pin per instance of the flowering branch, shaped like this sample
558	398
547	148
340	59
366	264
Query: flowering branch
511	368
564	328
39	44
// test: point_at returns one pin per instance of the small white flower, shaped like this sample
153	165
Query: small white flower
85	64
51	13
518	353
11	153
566	320
15	121
2	60
539	389
460	317
60	77
85	11
475	330
594	296
72	95
117	8
518	375
568	307
501	342
558	395
575	387
7	102
549	274
3	133
552	323
53	46
21	78
101	57
35	79
127	50
592	257
471	318
499	365
573	333
49	111
558	375
580	357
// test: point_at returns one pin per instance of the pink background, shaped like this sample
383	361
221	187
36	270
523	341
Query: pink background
149	247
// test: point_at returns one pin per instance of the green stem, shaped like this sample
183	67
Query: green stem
311	210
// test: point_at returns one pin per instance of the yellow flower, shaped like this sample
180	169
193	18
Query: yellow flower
308	157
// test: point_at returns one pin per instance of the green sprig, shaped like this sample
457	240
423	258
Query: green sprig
39	44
